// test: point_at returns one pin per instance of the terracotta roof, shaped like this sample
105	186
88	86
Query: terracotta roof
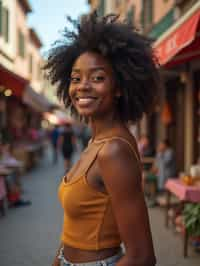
34	36
26	5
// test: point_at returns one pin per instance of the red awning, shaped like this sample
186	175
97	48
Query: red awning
180	42
12	81
35	100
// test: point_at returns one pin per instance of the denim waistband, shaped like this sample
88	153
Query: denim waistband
104	262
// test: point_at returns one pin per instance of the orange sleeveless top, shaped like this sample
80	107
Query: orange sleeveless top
89	221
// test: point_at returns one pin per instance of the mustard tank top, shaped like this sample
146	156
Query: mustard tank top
89	221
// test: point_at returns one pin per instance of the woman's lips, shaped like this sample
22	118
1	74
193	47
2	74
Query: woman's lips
85	101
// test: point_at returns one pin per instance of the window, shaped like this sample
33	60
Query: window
1	18
6	24
21	44
147	13
130	15
38	71
30	64
101	8
117	3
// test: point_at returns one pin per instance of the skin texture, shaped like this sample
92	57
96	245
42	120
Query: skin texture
117	170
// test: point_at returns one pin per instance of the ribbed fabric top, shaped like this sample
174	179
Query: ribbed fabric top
89	221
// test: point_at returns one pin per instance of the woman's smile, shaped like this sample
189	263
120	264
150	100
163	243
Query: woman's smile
85	101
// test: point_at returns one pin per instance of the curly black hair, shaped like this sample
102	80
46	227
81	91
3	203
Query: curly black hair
129	53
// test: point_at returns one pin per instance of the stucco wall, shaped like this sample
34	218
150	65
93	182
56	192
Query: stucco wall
21	63
7	54
161	8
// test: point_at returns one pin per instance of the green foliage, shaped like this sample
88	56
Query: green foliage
191	215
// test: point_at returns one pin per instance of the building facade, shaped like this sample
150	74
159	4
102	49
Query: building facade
7	33
21	76
20	45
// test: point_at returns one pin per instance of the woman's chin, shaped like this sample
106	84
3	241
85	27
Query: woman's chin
85	113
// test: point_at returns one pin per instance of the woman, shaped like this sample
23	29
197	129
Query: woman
106	74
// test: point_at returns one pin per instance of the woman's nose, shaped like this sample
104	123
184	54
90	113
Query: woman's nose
84	84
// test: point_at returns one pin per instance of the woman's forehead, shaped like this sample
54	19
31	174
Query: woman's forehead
90	60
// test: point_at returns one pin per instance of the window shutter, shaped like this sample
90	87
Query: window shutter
1	18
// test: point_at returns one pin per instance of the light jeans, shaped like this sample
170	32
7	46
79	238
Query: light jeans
111	261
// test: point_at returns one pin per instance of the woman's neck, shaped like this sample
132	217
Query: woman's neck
102	128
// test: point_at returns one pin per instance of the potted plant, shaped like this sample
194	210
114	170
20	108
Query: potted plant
191	217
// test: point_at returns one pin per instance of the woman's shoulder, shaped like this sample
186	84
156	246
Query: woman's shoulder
120	145
119	156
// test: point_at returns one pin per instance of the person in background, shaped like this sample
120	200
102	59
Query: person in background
54	137
85	136
107	75
145	150
13	184
144	147
67	143
165	163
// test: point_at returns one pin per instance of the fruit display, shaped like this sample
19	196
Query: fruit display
187	180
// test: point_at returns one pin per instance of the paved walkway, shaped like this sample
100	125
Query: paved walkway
29	236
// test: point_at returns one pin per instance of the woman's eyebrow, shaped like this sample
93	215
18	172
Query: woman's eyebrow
97	68
92	69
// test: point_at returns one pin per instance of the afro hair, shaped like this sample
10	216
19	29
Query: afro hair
129	53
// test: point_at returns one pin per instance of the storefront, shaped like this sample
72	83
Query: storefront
178	51
21	114
12	88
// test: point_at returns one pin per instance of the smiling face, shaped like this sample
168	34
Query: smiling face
92	87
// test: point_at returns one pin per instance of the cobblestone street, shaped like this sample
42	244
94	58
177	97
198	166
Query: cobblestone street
30	235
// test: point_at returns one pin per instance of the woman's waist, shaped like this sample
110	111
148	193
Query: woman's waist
79	255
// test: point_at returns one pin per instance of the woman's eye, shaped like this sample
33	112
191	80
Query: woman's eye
74	79
98	78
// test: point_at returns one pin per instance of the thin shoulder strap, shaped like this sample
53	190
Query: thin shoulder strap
105	140
94	157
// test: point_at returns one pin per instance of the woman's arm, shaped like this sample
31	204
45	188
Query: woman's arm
121	173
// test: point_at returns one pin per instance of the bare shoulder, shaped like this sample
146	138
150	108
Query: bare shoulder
119	148
119	165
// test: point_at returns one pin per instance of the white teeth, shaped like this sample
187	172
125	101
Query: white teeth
85	100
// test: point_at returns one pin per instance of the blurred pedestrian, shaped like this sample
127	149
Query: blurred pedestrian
145	147
54	137
67	145
165	163
106	73
85	136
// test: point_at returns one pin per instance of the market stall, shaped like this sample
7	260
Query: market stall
187	190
